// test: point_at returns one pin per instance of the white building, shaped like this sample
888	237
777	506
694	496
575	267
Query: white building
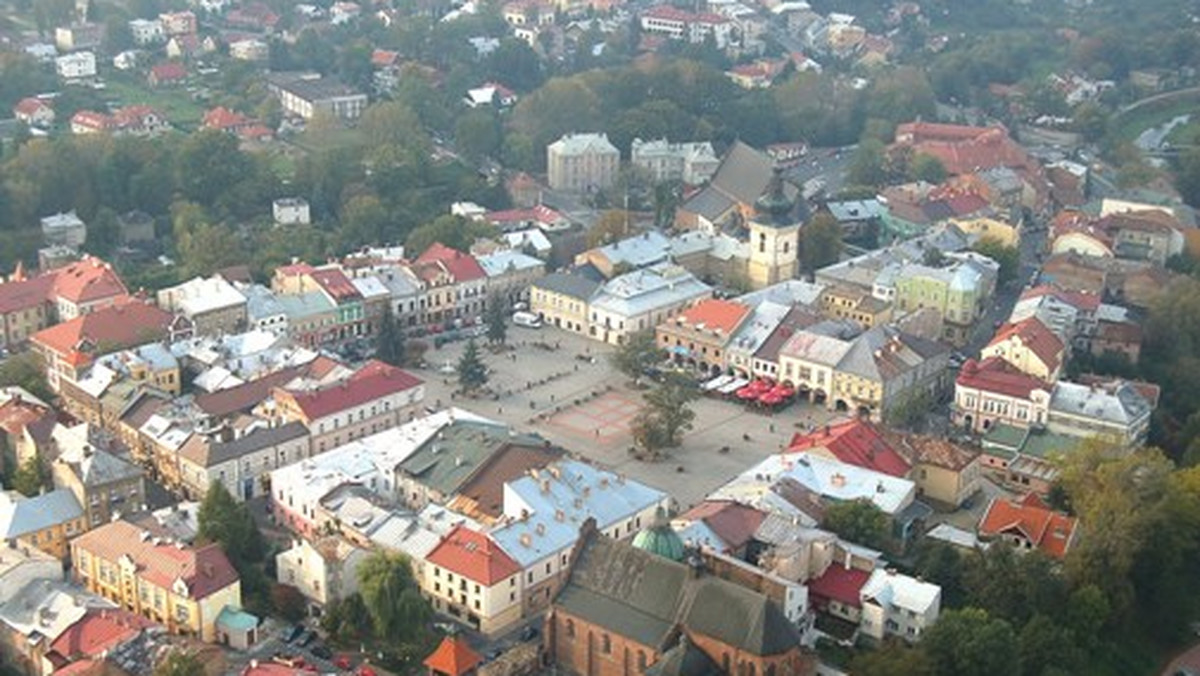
147	31
692	163
582	162
641	300
291	211
898	605
215	305
64	229
76	65
241	464
324	571
249	49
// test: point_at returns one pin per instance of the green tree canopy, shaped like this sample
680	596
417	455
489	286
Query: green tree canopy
229	523
497	320
820	242
858	521
25	370
472	372
1008	257
391	596
969	641
637	354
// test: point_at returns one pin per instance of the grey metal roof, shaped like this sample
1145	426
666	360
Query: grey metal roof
709	203
572	284
257	440
20	515
744	174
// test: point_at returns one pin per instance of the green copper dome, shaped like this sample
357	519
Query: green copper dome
660	539
774	207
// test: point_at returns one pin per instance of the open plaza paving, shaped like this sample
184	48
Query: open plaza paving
561	386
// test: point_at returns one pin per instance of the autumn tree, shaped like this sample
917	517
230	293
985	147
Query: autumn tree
612	226
637	354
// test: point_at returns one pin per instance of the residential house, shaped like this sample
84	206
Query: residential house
325	571
86	645
68	348
37	615
455	285
1024	459
34	112
959	292
856	305
305	95
992	391
582	163
719	525
1114	412
561	298
47	522
103	484
291	211
631	253
945	472
699	336
78	36
683	619
491	95
691	163
26	423
692	27
1030	347
147	32
453	657
641	300
178	23
64	228
20	567
182	587
510	275
373	398
214	305
472	579
1028	524
241	464
898	605
249	49
167	74
537	216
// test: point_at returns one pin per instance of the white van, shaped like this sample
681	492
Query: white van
527	319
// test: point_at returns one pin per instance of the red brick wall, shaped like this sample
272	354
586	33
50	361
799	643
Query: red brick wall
791	663
583	653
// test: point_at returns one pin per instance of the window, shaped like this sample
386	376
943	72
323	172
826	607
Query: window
642	660
570	628
476	589
606	645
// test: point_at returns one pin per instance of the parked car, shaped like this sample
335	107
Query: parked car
321	652
291	633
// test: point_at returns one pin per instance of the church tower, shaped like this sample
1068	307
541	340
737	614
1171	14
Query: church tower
774	236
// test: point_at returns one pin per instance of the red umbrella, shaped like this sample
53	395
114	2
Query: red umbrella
366	671
342	662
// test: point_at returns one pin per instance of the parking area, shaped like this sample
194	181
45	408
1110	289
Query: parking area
560	385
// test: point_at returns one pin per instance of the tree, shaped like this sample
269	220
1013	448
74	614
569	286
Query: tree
209	166
927	168
893	658
223	520
969	641
391	596
472	372
820	242
858	521
866	166
612	226
179	662
452	231
389	342
348	620
477	133
497	320
31	477
288	602
1187	176
638	354
25	371
1007	256
668	405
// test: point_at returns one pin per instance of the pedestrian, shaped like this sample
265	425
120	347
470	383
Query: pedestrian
597	432
499	410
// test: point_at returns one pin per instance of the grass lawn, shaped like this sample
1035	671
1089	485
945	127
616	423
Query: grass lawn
175	103
328	139
1130	125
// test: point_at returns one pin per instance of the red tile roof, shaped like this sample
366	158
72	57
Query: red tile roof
29	105
453	656
98	631
205	569
223	118
474	556
169	71
87	280
854	442
336	284
996	375
463	267
91	119
733	522
121	325
25	294
964	150
1033	334
715	314
839	583
382	58
15	415
373	381
1032	520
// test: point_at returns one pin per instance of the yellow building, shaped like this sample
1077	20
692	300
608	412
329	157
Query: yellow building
184	588
988	228
860	307
46	522
561	300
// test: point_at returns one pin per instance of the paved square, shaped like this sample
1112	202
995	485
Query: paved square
606	418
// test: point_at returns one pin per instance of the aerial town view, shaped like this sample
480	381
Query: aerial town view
599	337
